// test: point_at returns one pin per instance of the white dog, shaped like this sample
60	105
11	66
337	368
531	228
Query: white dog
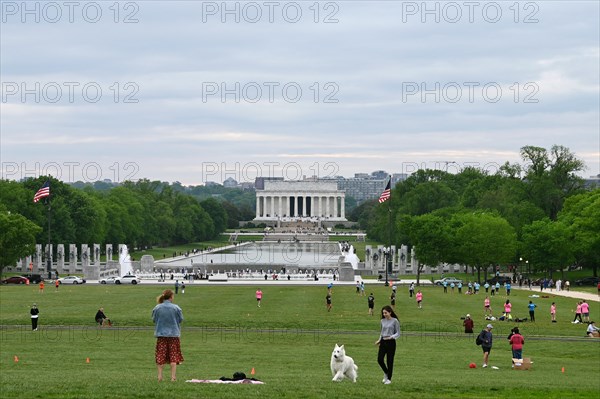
342	365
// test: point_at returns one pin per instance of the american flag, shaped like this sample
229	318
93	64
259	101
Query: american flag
385	195
43	192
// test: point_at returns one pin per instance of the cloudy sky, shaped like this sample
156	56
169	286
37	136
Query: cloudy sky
196	91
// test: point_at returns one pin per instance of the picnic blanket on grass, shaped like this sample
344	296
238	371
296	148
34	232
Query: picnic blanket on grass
244	381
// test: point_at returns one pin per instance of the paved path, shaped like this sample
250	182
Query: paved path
571	294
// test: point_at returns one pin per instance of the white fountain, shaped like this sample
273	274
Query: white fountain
124	261
349	255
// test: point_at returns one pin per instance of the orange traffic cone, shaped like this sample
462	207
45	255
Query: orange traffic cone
253	371
16	359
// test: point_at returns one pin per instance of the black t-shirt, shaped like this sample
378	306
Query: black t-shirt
371	300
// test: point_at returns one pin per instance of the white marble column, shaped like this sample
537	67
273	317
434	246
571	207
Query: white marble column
280	199
257	206
343	204
303	205
295	206
272	213
335	206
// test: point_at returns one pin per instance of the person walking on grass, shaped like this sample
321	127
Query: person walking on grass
167	318
507	310
419	299
531	307
328	302
553	312
34	317
411	290
371	303
577	318
486	344
486	306
390	331
258	297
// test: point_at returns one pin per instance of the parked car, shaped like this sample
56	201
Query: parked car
499	279
449	280
16	280
593	281
34	278
71	280
127	279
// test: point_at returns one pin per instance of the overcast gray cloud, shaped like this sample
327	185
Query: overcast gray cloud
182	91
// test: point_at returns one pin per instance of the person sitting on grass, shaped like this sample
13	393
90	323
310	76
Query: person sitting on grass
592	330
101	318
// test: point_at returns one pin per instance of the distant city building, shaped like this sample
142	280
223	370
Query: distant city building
363	186
230	182
592	182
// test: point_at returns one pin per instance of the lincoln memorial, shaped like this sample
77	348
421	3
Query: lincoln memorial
280	200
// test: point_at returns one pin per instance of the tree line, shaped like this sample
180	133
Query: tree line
536	212
141	214
536	215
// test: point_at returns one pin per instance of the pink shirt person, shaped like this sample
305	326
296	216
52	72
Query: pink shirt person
419	297
553	309
585	307
258	297
507	307
486	302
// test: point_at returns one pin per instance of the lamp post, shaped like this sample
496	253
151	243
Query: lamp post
387	252
521	265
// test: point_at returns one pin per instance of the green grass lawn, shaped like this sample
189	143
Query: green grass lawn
288	341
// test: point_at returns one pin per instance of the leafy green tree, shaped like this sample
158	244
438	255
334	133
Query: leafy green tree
217	213
545	244
551	176
363	214
233	215
481	239
581	213
18	237
430	236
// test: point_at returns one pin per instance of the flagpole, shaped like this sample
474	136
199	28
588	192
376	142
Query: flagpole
389	252
49	255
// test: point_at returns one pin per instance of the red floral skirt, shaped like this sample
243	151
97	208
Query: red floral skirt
168	350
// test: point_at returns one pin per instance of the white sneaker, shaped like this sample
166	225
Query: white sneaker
384	378
484	365
387	382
